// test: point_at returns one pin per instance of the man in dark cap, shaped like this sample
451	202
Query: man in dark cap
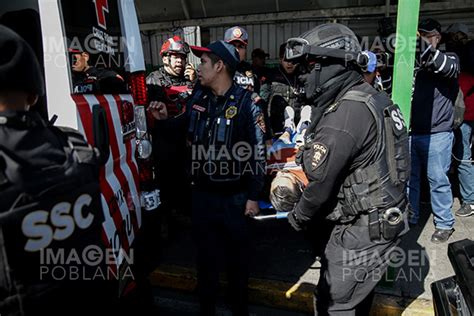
436	89
222	119
45	171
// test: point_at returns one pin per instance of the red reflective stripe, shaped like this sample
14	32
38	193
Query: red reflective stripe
105	187
86	116
117	168
133	169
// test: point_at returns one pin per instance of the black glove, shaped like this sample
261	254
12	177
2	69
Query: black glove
294	222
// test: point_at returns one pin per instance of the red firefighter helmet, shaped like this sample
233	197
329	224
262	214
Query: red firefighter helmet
175	45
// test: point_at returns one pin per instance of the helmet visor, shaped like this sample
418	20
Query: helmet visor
295	48
179	47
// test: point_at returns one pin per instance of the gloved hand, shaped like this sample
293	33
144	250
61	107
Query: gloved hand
294	222
425	52
371	61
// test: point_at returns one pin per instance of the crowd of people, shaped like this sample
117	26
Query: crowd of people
355	162
297	107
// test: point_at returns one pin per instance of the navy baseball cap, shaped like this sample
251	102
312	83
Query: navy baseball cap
223	50
236	33
429	25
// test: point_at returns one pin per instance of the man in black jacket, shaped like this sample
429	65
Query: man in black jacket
436	89
352	180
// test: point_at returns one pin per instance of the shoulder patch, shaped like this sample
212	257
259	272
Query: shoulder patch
320	152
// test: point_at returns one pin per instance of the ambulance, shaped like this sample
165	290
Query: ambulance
116	124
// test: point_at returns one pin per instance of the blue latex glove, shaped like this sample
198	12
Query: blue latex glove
372	64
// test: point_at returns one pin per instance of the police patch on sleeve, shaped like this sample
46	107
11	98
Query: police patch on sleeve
261	123
320	152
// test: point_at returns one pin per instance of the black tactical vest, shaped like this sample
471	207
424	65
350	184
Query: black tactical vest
51	209
288	93
383	183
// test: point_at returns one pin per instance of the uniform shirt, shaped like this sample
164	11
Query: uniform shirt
246	78
346	140
95	80
248	128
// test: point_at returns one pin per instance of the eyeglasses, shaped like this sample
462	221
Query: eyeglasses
295	48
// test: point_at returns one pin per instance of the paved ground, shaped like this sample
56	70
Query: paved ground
173	303
280	254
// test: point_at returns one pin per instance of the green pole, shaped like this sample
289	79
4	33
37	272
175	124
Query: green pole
407	24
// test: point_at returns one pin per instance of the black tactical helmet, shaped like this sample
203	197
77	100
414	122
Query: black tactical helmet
330	39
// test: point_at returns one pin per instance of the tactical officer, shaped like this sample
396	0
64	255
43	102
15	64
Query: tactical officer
225	130
171	84
357	161
49	198
88	79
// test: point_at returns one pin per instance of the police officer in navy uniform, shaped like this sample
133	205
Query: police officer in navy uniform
357	161
45	173
225	131
244	76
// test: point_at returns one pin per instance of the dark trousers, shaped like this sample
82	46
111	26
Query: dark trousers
220	230
351	268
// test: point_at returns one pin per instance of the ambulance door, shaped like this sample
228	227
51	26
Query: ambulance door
106	119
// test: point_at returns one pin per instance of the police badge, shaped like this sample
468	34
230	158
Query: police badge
230	112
